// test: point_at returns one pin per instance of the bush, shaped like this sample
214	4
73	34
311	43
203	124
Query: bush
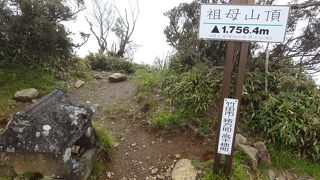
148	79
168	119
81	69
289	118
195	90
108	63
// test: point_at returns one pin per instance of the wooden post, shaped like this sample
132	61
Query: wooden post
239	88
232	49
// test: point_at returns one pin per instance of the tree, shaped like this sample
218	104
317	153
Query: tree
182	34
101	22
32	33
124	28
303	48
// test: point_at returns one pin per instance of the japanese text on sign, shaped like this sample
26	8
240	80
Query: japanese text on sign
228	122
243	23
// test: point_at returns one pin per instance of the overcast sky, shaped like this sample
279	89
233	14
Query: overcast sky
149	32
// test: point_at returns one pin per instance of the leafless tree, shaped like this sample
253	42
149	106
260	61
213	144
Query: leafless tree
101	22
124	27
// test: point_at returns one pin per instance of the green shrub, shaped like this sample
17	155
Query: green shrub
168	119
149	79
104	140
81	69
108	63
195	90
289	118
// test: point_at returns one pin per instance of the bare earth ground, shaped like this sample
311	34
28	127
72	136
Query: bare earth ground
139	149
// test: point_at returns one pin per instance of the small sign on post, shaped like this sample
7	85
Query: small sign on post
229	114
243	23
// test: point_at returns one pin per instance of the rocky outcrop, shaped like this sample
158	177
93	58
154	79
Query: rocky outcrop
117	77
184	170
26	94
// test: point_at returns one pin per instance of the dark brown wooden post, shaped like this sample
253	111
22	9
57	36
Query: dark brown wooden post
239	88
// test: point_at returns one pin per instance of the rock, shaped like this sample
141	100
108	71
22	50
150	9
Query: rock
184	170
109	175
133	145
251	152
271	174
117	77
154	171
115	145
161	177
177	156
26	94
263	155
97	76
75	149
124	178
79	83
240	140
34	100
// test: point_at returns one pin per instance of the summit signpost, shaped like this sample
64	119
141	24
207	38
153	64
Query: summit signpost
239	23
243	22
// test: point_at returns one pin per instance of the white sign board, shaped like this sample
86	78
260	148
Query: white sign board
243	22
228	122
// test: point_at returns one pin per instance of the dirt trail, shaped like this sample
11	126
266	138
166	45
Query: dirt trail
139	150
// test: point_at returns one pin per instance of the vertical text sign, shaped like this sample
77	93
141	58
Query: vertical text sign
228	121
243	22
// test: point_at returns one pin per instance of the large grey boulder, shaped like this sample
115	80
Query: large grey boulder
184	170
117	77
251	153
26	94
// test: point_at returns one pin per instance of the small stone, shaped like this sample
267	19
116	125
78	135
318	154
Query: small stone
97	76
115	145
154	171
117	77
144	147
26	94
122	139
88	102
79	83
263	155
167	174
251	152
161	177
126	154
109	175
133	145
184	170
34	100
152	142
124	178
75	149
271	174
240	139
177	156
